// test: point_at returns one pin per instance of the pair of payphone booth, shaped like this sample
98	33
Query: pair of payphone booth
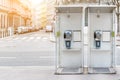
85	39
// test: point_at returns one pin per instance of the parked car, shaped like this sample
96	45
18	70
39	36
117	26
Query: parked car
49	28
26	29
20	29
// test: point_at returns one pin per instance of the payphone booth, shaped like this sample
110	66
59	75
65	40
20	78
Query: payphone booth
69	40
101	22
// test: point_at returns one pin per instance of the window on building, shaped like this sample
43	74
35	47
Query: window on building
4	22
1	21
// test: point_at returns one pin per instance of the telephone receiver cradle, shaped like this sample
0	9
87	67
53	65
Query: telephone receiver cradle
68	38
97	38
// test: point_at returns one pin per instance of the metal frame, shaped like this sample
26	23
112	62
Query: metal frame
64	70
104	70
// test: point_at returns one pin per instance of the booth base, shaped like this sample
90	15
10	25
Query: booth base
101	70
69	71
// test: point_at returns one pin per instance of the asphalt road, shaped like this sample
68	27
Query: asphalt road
31	49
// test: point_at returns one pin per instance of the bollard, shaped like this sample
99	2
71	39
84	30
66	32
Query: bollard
2	33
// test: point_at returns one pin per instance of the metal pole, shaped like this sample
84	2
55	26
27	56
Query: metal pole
99	2
2	33
117	4
117	16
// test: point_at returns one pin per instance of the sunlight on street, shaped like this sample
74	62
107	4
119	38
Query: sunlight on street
59	40
36	1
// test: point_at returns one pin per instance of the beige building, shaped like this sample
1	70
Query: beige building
61	2
13	13
43	13
39	15
50	10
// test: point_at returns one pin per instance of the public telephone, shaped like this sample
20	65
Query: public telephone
68	38
97	38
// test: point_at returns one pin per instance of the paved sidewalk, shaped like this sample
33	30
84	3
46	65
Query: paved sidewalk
39	73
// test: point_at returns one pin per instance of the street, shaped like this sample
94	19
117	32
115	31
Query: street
31	56
31	49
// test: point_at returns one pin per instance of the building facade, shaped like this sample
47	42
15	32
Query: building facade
39	17
39	12
13	13
43	13
62	2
